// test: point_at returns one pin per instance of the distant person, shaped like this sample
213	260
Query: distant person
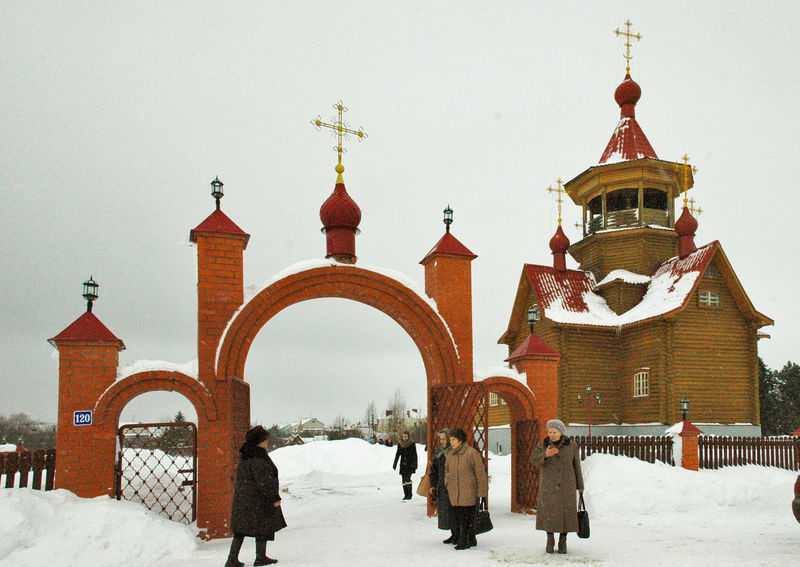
256	501
407	456
438	488
559	461
467	483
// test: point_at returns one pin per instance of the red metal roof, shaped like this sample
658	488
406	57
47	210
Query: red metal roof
567	285
218	223
689	427
628	141
533	346
87	328
449	244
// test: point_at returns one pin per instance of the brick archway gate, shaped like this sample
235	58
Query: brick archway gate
415	314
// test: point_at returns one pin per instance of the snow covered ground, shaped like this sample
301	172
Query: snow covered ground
342	503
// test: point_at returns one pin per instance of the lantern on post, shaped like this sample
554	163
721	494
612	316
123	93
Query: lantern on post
533	316
448	218
216	190
591	397
685	408
90	292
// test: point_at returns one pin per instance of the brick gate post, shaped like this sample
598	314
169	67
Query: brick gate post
540	365
220	292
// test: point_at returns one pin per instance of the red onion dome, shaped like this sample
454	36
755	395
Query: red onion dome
559	243
686	225
339	210
627	95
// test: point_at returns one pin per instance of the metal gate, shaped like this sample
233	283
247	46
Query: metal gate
465	406
157	467
527	474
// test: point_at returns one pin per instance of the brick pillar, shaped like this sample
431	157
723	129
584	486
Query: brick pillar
220	292
690	457
541	373
86	368
448	281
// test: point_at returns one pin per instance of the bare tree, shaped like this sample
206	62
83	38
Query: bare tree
396	413
371	418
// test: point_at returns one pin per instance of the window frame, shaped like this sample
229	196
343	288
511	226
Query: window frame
641	383
709	299
493	400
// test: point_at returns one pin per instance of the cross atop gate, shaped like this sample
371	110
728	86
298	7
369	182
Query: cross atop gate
339	127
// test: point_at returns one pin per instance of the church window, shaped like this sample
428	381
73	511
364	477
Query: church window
641	383
655	199
709	298
493	399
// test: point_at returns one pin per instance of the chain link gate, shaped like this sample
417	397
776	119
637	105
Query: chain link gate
465	406
527	473
157	467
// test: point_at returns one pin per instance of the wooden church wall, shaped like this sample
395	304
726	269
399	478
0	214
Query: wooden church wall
714	360
641	349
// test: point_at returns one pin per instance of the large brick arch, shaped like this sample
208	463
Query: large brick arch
424	325
109	406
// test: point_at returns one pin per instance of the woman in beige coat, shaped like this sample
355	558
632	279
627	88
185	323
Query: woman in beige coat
559	463
466	482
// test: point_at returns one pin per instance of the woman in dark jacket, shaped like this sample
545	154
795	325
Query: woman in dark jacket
407	455
256	501
559	462
438	488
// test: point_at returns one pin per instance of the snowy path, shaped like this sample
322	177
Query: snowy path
642	515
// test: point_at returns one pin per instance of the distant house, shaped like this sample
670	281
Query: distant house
306	427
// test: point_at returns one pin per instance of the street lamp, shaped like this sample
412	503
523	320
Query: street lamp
448	218
533	316
685	408
90	292
216	190
589	397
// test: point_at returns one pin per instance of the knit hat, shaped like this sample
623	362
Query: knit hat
557	424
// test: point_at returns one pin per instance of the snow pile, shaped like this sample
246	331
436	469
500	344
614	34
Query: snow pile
617	487
354	457
188	368
625	276
59	529
7	448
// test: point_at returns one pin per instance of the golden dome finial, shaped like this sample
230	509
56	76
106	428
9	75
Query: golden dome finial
628	37
339	127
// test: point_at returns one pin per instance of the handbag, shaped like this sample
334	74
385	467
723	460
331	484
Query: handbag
424	487
583	520
483	523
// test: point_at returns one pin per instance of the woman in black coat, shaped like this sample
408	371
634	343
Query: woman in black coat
438	488
256	501
407	455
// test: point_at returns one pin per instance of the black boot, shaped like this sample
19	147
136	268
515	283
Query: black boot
233	554
562	543
551	543
452	538
472	540
261	554
462	542
407	491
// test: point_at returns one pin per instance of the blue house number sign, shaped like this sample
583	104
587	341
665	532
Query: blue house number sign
81	418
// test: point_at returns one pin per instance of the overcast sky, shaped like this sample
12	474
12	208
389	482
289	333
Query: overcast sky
115	116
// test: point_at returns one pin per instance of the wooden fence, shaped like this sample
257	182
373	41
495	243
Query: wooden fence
648	448
28	468
781	452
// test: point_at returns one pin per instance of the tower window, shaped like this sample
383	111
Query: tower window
709	299
641	383
655	199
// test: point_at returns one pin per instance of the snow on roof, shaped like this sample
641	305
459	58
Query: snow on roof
252	290
627	143
188	368
568	296
625	276
504	371
8	448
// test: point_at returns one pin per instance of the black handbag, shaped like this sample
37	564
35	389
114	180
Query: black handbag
583	520
483	523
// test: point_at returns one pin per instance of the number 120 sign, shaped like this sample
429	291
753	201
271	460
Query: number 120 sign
81	418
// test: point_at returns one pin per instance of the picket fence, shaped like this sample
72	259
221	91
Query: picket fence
34	469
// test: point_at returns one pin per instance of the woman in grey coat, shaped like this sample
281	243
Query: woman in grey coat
559	463
256	500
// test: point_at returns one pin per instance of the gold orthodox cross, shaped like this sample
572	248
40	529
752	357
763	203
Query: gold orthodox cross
339	127
694	210
686	170
628	37
559	191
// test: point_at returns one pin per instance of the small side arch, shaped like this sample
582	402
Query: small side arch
518	396
109	406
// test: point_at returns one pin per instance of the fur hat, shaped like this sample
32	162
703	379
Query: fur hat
557	424
256	435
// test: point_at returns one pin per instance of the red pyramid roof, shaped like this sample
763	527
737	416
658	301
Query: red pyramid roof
533	346
796	432
689	427
218	223
628	141
87	328
450	245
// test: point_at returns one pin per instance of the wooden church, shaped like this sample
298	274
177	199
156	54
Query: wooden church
649	321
